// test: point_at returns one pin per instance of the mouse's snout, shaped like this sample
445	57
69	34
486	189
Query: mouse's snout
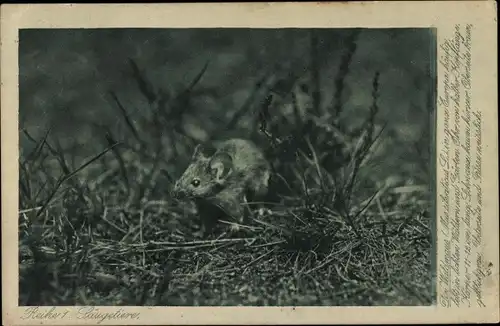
177	192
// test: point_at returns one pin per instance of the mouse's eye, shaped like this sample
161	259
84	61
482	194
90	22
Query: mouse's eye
195	182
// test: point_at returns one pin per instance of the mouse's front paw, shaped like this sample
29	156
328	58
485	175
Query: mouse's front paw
264	211
234	228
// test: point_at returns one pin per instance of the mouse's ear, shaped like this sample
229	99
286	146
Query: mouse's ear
221	166
203	151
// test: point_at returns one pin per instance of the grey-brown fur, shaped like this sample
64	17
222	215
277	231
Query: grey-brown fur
222	177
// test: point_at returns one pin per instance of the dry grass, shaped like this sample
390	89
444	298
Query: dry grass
106	232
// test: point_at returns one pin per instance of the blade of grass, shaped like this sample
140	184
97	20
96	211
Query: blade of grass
121	163
47	145
66	177
38	149
145	87
342	74
315	68
246	105
60	156
128	121
193	83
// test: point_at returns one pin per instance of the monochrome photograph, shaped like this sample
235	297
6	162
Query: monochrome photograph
227	166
